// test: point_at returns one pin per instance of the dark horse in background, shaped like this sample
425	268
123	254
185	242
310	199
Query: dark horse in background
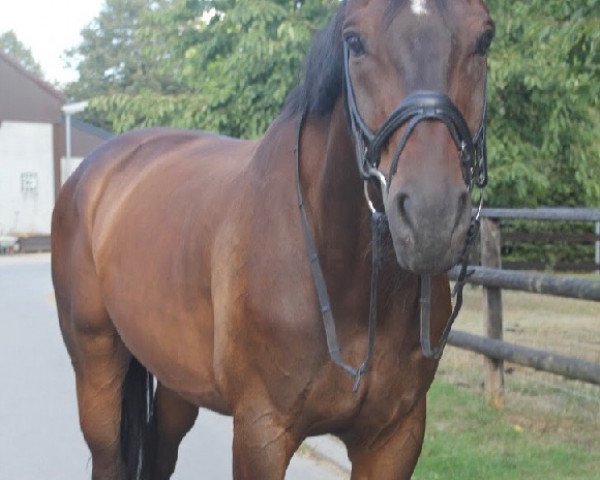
184	254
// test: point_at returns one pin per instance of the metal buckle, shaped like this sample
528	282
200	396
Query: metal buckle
374	173
480	207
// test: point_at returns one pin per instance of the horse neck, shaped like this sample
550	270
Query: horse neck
340	220
333	190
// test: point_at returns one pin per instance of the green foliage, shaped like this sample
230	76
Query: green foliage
545	90
11	45
165	62
229	72
123	51
246	60
125	112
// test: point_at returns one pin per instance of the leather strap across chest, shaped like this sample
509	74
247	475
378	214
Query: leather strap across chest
378	229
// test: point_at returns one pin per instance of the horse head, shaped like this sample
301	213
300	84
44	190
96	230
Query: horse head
415	82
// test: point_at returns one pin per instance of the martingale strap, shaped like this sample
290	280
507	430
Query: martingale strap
425	299
378	229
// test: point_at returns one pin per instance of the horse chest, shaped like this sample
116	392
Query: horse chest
394	384
391	393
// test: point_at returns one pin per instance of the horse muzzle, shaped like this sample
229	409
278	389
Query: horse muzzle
429	228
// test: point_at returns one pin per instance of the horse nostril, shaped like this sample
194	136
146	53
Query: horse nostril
403	202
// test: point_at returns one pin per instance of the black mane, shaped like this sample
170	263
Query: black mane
323	76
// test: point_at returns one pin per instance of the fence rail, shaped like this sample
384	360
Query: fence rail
579	215
493	279
551	237
567	287
550	214
580	267
573	368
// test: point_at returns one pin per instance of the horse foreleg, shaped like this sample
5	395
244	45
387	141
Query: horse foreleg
174	419
262	447
396	457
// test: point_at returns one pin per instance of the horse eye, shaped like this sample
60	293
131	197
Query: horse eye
483	43
355	45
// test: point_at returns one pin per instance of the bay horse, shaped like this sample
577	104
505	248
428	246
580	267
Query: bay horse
184	256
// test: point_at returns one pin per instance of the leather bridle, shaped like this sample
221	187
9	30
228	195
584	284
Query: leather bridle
417	107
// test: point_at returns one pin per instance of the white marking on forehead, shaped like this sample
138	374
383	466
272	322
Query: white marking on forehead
418	7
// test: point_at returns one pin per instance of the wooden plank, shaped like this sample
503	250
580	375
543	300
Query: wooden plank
568	287
597	259
559	266
552	214
568	367
491	257
550	237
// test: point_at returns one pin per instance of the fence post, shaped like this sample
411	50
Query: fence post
598	248
492	306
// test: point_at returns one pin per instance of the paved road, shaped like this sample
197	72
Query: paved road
39	430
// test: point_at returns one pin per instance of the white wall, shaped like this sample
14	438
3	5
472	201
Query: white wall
26	178
67	167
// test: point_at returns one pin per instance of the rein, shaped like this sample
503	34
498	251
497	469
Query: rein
378	229
415	108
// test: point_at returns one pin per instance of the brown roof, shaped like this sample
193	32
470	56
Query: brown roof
26	98
23	71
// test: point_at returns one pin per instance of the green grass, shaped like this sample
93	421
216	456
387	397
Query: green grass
467	439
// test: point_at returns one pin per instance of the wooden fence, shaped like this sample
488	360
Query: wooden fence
493	279
515	237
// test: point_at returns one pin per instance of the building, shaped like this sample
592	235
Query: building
32	149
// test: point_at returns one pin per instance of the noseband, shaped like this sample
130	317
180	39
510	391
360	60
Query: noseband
417	107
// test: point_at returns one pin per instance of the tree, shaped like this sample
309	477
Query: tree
544	98
235	67
114	56
231	71
11	45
